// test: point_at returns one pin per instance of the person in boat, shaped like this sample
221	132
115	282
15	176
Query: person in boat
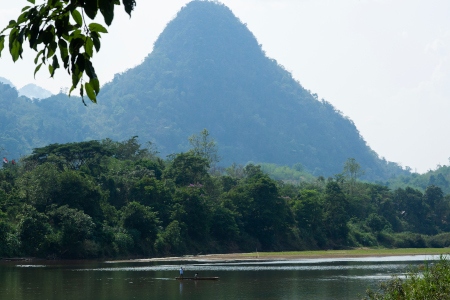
181	272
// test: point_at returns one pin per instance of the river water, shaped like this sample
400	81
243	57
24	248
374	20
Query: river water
292	279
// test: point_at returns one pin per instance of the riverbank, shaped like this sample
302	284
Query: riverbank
291	255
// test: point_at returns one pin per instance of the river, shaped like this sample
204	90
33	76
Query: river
345	278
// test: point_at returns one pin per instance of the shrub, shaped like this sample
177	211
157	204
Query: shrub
409	240
431	282
440	241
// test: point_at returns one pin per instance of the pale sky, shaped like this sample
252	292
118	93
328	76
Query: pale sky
384	63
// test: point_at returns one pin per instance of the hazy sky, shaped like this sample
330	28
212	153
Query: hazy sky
383	63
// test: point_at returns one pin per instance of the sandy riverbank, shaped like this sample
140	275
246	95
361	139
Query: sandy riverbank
264	256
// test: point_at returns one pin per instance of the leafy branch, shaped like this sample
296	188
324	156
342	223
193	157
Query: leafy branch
61	25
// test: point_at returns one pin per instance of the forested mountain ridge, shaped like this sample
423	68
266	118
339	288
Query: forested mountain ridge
207	70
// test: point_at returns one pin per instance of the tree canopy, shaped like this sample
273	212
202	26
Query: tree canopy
63	25
118	199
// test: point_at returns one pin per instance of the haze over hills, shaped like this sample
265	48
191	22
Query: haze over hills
33	91
30	90
207	70
6	81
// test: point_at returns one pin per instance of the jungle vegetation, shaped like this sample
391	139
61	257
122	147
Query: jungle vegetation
103	198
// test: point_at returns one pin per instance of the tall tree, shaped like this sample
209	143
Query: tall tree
335	214
353	171
204	146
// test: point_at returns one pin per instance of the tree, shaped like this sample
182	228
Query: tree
335	214
62	25
204	146
136	216
308	211
187	168
32	230
70	155
263	214
414	210
74	228
352	170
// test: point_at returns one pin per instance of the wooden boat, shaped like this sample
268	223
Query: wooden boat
197	278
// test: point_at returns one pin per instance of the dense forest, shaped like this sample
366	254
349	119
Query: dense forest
206	70
120	199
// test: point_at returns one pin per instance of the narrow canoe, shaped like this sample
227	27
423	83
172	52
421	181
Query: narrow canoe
198	278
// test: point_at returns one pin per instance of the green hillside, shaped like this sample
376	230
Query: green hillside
207	70
439	177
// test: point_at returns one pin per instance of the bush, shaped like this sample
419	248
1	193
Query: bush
433	282
409	240
362	239
440	241
386	239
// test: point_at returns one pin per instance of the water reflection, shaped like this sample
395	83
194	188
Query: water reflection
307	279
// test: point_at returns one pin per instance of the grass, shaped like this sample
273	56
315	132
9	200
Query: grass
350	253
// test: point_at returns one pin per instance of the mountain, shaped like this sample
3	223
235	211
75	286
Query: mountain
6	81
207	70
33	91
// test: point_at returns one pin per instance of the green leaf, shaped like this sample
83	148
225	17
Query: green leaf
91	8
75	45
129	6
71	90
96	39
37	69
77	17
2	44
89	68
51	70
34	34
13	38
25	8
15	50
89	46
51	48
37	56
107	10
64	52
22	18
97	28
90	92
95	85
32	1
55	65
77	69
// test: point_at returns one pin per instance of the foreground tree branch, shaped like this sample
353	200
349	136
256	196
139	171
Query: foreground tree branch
60	32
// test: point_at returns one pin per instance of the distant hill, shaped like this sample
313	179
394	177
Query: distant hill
439	177
6	81
207	70
33	91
